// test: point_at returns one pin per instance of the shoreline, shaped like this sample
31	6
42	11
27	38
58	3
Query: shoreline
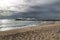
50	32
29	28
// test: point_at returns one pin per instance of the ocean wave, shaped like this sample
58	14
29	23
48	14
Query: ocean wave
12	24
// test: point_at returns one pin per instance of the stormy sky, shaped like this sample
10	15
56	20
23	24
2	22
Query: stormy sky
41	9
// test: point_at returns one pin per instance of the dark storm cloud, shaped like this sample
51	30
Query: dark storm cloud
51	11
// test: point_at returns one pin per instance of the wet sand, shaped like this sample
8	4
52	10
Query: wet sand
43	32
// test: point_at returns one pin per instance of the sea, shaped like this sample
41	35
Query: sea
10	24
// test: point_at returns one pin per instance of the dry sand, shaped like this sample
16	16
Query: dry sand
44	32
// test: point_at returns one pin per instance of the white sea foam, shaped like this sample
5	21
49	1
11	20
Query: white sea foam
12	24
12	28
6	25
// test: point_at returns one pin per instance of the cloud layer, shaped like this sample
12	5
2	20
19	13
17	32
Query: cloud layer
11	7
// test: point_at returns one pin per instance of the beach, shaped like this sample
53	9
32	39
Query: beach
40	32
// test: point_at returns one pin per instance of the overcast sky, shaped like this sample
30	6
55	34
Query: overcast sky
29	8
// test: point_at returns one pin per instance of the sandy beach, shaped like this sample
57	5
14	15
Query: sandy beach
40	32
